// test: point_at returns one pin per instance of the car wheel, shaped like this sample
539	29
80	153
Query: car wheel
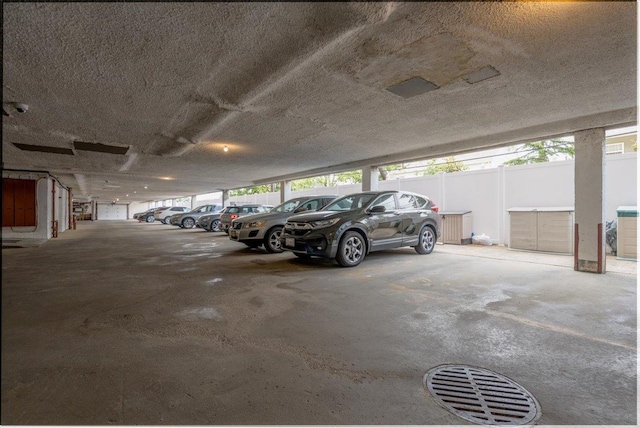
426	240
150	219
188	223
351	249
165	220
272	240
214	226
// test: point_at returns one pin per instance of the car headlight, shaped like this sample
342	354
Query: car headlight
324	223
254	224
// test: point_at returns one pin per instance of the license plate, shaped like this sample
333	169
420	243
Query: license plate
233	233
290	242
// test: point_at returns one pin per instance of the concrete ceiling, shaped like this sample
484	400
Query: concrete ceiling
298	89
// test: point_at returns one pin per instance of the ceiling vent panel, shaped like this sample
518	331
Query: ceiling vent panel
483	74
100	148
44	149
412	87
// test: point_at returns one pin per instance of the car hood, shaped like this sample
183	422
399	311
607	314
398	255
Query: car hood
265	216
315	216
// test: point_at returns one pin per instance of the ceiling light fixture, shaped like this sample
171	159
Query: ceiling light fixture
145	187
226	149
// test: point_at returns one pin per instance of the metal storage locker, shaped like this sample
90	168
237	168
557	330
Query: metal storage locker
455	227
628	233
541	229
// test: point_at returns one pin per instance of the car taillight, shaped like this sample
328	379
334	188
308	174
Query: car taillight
435	208
234	216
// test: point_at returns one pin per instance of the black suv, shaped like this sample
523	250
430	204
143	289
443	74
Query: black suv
350	227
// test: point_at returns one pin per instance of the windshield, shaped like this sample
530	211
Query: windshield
350	202
288	206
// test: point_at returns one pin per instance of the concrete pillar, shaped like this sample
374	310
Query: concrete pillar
589	201
285	191
225	198
193	201
369	178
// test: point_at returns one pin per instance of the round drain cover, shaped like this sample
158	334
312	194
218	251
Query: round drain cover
481	396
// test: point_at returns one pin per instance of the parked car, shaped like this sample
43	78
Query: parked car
234	211
136	215
149	216
350	227
188	220
163	214
210	222
265	229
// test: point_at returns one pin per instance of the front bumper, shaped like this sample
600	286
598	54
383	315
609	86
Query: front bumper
313	244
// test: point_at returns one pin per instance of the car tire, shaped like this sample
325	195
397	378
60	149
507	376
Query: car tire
351	250
165	220
426	240
188	223
272	240
150	219
214	226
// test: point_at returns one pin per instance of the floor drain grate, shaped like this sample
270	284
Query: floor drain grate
481	396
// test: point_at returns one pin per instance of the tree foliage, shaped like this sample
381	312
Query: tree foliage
450	164
349	177
263	188
543	151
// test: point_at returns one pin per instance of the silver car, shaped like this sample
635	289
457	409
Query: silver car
265	229
188	220
210	222
163	214
234	211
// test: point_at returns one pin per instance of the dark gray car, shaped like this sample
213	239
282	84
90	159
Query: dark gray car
350	227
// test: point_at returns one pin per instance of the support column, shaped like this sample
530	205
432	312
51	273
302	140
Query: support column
369	178
589	237
225	198
285	191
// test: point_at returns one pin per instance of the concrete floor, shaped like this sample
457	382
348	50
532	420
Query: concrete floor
126	323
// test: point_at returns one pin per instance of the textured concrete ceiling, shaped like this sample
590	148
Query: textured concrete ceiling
297	89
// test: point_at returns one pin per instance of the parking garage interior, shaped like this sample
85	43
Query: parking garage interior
127	323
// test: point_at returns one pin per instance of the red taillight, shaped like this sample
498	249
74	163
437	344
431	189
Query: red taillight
234	216
435	208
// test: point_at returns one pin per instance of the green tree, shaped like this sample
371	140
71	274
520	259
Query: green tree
262	188
543	151
450	164
384	170
349	177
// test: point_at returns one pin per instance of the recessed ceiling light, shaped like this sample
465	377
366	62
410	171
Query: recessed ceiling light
483	74
145	187
412	87
226	149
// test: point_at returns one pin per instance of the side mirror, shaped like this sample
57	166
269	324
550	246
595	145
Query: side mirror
378	209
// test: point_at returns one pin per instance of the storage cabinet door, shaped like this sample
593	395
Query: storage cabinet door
523	230
627	237
555	232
